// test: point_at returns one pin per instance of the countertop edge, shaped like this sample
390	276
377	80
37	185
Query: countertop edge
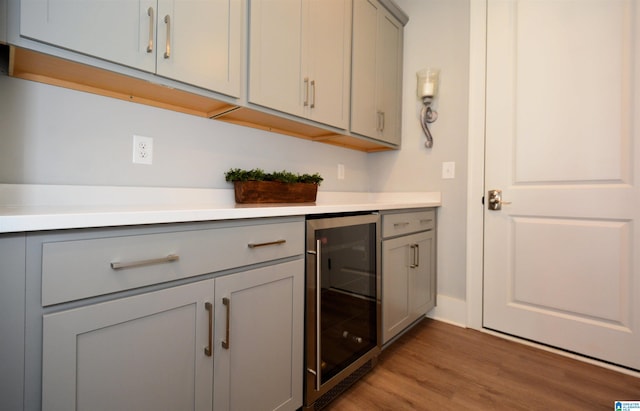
35	208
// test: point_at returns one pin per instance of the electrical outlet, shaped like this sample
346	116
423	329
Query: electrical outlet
142	150
340	171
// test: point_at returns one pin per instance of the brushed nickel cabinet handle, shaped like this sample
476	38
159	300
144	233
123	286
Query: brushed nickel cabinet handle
151	22
256	245
413	256
167	50
380	121
226	302
402	224
313	94
417	255
208	350
140	263
306	92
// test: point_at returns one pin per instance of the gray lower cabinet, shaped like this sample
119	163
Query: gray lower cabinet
408	269
12	298
151	351
258	339
198	316
144	352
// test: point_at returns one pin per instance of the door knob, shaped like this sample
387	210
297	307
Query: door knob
495	200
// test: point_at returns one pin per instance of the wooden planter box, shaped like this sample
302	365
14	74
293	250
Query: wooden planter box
274	192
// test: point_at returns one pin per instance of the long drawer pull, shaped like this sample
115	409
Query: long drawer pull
208	350
403	224
426	220
256	245
141	263
226	343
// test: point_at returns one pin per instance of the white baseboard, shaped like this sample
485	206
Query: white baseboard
450	310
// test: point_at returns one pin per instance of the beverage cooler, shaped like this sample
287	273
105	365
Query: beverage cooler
342	319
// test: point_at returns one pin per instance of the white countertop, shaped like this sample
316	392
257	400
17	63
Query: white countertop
51	207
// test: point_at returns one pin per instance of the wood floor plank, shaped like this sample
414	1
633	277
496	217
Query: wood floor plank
438	366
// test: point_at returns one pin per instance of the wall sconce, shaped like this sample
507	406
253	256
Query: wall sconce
427	91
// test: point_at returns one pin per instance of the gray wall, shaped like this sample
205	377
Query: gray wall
51	135
437	35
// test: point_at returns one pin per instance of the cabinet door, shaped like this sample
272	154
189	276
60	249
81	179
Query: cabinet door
389	81
327	60
364	118
376	98
396	280
423	288
408	281
275	78
261	321
199	42
144	352
114	30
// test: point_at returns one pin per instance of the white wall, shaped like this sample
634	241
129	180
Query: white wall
51	135
436	35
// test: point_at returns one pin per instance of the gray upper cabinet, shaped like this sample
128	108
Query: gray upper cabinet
193	41
324	70
300	58
376	98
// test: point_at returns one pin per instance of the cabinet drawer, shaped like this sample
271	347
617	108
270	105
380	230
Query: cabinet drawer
407	222
88	267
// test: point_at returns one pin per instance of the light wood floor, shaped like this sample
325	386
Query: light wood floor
437	366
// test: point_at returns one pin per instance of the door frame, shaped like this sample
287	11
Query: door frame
475	155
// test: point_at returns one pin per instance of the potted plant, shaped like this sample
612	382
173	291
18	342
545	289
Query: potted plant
257	186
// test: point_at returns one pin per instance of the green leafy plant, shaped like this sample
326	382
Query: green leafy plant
256	174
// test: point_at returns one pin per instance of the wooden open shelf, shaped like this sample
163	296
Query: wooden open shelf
44	68
265	121
31	65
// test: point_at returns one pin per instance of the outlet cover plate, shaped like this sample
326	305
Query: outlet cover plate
448	169
142	150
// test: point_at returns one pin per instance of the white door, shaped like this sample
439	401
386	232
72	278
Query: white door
562	265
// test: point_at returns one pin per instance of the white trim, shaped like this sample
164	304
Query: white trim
475	177
450	310
567	354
